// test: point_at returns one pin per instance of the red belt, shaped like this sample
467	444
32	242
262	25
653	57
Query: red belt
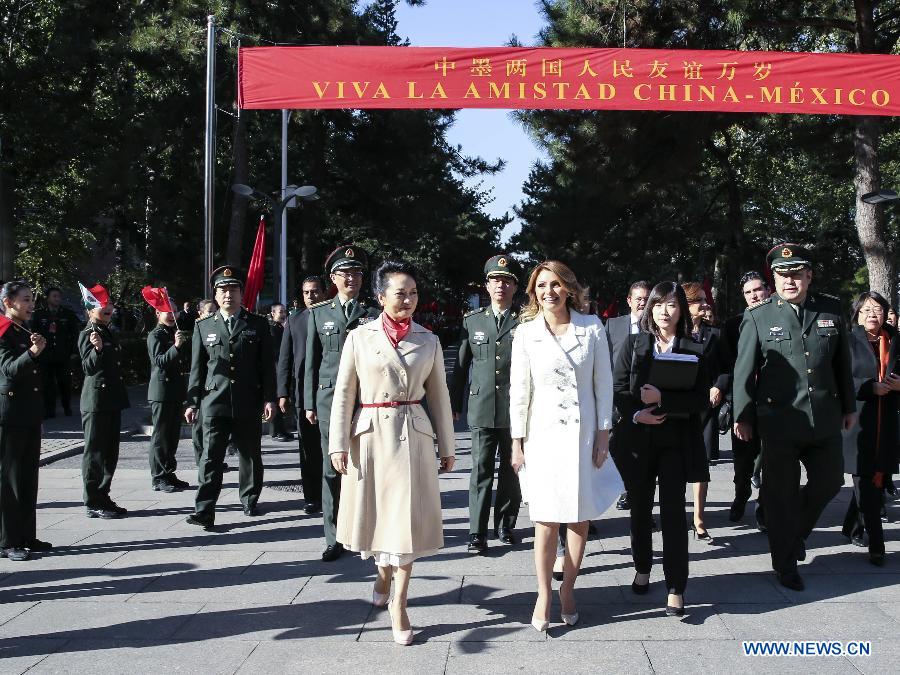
390	404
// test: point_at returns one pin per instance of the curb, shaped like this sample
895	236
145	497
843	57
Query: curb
55	455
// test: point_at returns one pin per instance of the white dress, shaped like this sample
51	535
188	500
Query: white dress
560	395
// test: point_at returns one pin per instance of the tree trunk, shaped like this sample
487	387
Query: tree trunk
234	248
870	227
7	239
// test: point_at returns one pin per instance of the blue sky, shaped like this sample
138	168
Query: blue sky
490	134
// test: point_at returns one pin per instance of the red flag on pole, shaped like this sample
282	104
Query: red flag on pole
256	270
611	311
158	299
5	323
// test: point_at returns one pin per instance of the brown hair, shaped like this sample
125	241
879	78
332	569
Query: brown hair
575	299
692	290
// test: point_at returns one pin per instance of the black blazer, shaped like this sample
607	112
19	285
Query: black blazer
21	402
631	441
618	329
291	357
865	450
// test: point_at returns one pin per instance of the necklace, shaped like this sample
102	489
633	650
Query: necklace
873	337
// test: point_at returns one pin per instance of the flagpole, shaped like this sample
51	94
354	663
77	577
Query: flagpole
210	150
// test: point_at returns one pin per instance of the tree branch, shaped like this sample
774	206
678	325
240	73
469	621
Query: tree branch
808	22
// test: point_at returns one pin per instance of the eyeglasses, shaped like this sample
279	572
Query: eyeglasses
348	275
873	311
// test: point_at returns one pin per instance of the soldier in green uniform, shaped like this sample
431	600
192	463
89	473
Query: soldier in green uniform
170	363
486	346
103	397
232	382
59	326
792	379
21	408
329	323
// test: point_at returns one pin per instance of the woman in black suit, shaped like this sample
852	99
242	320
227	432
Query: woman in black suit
870	448
659	437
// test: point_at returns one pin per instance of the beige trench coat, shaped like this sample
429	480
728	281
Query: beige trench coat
390	497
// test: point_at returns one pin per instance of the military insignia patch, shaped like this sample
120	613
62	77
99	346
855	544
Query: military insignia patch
328	325
825	323
227	272
349	253
786	252
479	336
502	262
365	319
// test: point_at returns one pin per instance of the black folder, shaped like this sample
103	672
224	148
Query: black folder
673	375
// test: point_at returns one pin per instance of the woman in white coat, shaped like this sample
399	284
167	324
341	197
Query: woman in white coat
560	416
390	506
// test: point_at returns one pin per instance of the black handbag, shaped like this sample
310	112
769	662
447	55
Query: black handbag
726	418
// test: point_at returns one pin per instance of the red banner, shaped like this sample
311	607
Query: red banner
588	79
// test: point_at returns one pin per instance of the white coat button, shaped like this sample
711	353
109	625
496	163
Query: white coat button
402	393
498	357
403	438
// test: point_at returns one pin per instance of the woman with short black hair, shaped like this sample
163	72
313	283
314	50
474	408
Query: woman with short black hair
21	414
659	436
870	448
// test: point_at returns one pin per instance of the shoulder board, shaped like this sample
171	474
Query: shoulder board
767	301
826	296
472	313
208	318
320	304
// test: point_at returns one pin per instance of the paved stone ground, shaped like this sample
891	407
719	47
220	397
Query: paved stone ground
152	594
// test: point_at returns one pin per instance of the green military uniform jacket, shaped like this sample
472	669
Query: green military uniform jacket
325	336
60	330
489	352
794	381
103	389
170	366
232	375
21	404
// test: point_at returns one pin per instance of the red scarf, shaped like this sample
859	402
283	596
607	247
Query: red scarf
395	330
883	358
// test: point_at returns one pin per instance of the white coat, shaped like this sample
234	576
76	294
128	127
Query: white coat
560	396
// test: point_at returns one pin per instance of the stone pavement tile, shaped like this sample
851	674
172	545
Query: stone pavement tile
290	565
892	609
61	560
734	588
264	535
64	539
203	587
855	588
459	623
10	610
147	656
346	657
220	562
339	620
882	660
65	585
47	519
618	622
140	540
855	560
17	655
99	620
815	621
522	590
726	656
553	656
136	520
424	591
518	560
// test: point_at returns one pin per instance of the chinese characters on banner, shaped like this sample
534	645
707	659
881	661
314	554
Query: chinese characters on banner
595	79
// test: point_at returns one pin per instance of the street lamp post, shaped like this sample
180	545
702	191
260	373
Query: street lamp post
279	257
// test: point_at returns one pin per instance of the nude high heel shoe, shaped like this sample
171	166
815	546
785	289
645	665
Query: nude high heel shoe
401	637
568	619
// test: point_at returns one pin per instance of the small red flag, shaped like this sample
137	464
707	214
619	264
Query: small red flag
5	323
612	310
256	270
158	299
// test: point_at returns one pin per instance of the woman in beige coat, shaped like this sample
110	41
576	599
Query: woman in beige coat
390	498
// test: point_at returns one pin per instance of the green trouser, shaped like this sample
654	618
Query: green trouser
331	484
20	451
246	434
197	438
486	445
791	510
101	455
166	416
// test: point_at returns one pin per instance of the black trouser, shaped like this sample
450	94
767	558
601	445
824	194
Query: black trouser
246	435
56	378
310	459
277	426
486	445
667	465
865	510
745	454
166	416
792	511
20	452
101	455
197	439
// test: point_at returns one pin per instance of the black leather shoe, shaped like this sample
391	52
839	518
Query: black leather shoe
738	507
505	535
756	480
790	580
283	438
194	520
477	544
332	552
877	559
15	554
163	486
115	508
251	511
38	545
671	610
622	503
105	514
858	538
178	483
312	507
801	550
760	515
639	589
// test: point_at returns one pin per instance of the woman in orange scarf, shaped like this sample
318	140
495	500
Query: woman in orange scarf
871	448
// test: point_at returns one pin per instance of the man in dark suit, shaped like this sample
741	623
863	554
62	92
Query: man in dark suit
60	327
233	382
277	322
290	375
617	331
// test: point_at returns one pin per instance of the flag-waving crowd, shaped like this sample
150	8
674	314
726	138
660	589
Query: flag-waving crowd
580	415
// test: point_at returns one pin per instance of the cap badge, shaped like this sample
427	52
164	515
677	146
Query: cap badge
227	272
787	253
349	253
501	262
